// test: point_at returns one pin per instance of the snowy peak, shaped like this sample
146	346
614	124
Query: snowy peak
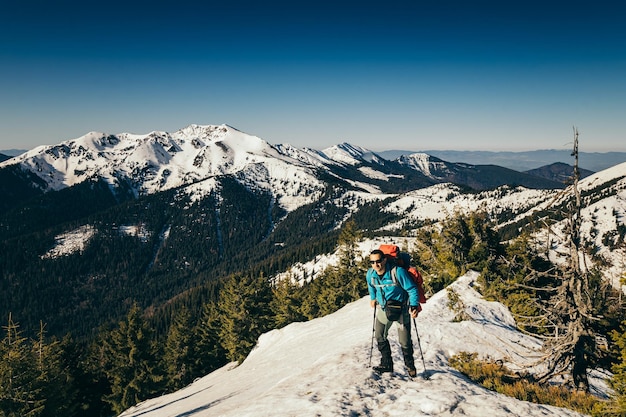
424	163
348	154
158	161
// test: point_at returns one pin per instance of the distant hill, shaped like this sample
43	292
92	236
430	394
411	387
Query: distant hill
4	157
12	152
477	177
559	172
521	161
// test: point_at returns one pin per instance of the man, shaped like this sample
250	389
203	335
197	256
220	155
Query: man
385	293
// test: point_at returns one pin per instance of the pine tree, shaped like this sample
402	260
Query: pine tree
55	375
88	380
443	251
179	353
129	361
246	314
286	302
340	284
617	404
352	267
334	291
349	256
310	307
210	354
20	389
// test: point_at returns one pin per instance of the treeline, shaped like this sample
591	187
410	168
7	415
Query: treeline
147	250
129	362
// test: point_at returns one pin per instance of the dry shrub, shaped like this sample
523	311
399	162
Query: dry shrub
496	377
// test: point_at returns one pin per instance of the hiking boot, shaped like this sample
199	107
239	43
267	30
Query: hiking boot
383	368
386	363
409	362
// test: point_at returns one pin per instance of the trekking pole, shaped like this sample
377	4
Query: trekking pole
419	344
373	331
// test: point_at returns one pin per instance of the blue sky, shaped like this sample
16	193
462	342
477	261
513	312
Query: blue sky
461	75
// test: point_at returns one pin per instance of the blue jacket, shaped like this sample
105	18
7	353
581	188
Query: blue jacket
382	288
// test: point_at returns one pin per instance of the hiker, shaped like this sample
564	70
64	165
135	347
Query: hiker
396	302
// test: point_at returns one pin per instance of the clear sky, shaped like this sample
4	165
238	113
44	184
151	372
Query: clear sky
463	75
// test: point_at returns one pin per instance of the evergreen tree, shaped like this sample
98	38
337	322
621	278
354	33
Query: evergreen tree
352	267
333	291
20	388
88	379
349	255
246	314
129	361
179	354
456	245
210	353
617	404
443	251
341	284
513	279
55	376
286	302
311	294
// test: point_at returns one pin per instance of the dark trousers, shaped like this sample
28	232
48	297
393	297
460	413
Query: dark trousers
382	326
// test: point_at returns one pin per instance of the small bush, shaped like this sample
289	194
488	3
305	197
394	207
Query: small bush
457	306
496	377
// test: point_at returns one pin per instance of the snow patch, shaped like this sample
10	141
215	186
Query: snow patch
372	173
139	230
70	242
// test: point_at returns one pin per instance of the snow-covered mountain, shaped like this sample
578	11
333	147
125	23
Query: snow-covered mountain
160	161
321	368
603	217
522	161
227	191
425	163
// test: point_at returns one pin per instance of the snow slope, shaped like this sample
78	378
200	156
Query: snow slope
320	368
160	161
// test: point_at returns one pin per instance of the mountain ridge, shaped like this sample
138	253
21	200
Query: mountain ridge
160	161
559	171
523	160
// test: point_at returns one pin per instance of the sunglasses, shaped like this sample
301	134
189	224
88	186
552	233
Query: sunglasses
376	261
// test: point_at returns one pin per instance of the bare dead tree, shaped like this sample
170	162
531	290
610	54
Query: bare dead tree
570	308
566	303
